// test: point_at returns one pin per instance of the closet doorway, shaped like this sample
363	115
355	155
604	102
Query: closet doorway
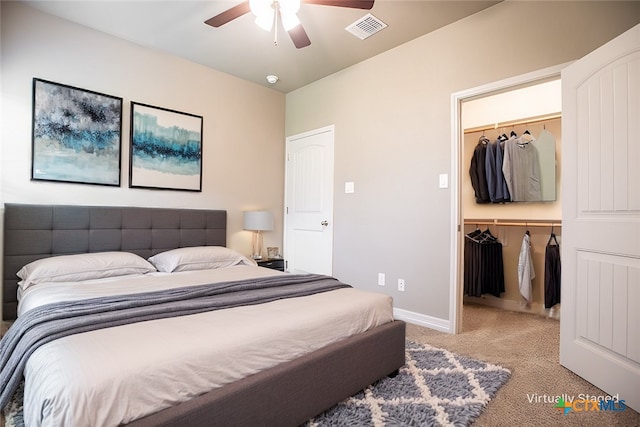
531	102
599	268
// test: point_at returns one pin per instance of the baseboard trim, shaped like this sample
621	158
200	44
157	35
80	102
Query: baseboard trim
438	324
444	325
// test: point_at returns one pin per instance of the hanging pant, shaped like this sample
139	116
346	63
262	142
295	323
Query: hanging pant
483	268
552	276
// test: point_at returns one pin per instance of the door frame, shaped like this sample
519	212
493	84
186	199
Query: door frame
456	287
325	129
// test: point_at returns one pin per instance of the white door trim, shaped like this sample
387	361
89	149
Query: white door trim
457	140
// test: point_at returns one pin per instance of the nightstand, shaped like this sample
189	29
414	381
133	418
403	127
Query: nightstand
274	263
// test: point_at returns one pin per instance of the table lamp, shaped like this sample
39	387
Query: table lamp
257	221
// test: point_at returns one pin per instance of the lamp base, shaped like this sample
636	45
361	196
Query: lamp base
256	245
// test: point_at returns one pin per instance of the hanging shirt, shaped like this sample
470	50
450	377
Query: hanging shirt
546	146
478	173
490	170
521	170
525	269
502	190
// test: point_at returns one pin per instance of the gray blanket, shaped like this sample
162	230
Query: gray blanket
49	322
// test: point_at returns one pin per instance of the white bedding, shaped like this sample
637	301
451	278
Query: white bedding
116	375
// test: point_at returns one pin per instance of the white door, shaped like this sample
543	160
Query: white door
600	326
308	239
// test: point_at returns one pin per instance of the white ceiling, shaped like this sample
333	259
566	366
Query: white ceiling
242	49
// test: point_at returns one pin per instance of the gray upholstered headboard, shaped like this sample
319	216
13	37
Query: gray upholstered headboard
38	231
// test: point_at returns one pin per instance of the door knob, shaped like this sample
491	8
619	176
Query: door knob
325	223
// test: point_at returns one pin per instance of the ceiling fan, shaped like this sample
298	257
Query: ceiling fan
269	11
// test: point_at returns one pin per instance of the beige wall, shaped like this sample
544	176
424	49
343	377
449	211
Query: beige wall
392	116
243	151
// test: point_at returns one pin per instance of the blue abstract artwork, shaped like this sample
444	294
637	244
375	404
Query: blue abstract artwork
76	135
166	149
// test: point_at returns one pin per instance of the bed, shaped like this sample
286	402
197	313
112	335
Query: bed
280	379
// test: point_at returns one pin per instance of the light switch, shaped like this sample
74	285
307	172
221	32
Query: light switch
349	187
444	180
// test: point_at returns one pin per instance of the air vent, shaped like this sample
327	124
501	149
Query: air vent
366	26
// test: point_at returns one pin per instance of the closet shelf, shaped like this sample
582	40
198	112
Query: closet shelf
528	121
510	223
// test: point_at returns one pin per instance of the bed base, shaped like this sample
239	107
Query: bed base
293	392
286	395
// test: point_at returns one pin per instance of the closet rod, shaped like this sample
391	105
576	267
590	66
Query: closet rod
528	121
514	223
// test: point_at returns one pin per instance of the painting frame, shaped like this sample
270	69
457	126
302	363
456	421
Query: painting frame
76	135
165	149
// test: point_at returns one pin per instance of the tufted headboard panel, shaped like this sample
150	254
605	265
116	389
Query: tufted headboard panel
37	231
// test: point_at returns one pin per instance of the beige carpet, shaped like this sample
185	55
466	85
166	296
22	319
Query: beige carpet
528	345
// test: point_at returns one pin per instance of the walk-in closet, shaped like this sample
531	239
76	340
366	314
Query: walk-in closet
511	199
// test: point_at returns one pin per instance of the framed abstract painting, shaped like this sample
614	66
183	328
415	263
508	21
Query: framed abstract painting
165	149
76	135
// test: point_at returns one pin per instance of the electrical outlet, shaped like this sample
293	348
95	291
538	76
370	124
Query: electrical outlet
381	279
401	285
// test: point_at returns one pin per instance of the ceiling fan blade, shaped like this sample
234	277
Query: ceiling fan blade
229	15
353	4
299	37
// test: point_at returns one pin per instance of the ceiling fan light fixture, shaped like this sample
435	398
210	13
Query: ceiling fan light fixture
264	13
265	21
265	10
289	20
261	7
289	6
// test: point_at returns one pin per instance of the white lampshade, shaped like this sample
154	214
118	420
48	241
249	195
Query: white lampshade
257	220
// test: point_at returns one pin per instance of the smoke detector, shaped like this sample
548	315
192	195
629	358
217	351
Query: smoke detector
272	79
366	26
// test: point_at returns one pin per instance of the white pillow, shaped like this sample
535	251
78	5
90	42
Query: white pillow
71	268
198	258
